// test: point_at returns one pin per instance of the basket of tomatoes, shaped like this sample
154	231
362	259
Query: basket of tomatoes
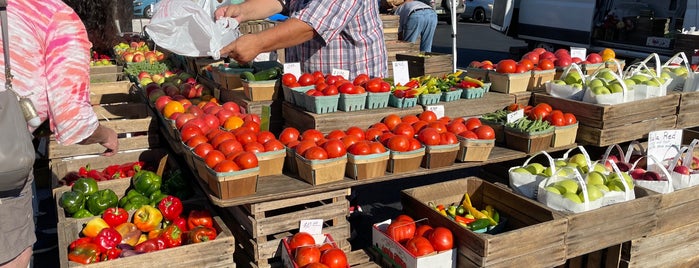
476	143
366	160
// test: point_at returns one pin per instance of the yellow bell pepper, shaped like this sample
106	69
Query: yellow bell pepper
94	226
147	218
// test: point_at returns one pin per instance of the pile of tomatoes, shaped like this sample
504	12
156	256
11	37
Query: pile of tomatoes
419	239
306	253
546	112
329	85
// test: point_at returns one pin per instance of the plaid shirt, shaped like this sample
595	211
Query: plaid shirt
350	37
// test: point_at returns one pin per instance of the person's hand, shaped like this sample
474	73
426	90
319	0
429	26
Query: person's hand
108	139
230	11
244	49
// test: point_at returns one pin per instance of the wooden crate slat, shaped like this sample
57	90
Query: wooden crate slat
267	206
675	248
121	111
605	137
101	69
133	143
490	102
689	102
688	119
677	209
290	221
112	92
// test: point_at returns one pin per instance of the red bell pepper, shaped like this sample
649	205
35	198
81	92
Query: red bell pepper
95	174
79	241
172	236
201	234
115	216
85	253
181	223
150	245
111	254
199	218
171	207
107	239
82	171
129	169
111	172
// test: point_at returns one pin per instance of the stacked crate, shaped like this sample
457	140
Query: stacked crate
393	45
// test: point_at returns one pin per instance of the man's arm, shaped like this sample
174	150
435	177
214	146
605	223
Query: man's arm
286	34
250	10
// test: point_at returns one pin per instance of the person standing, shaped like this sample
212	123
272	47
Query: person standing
320	34
417	18
50	55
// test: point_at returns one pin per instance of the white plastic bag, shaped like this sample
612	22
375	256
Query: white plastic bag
185	28
527	184
567	91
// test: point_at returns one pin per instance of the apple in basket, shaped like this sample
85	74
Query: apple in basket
682	170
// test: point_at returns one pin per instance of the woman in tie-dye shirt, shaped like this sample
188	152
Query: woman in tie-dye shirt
50	54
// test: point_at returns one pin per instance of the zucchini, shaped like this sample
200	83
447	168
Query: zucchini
479	224
248	76
268	74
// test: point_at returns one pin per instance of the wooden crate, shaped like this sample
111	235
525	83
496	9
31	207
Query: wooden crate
543	229
213	253
104	69
609	257
608	136
611	225
673	248
259	227
677	209
688	110
133	122
295	116
490	102
522	98
107	78
113	92
427	63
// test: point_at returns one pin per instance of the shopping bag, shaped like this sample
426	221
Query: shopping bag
691	83
649	84
526	183
624	182
677	67
185	28
607	97
567	91
688	160
663	184
549	194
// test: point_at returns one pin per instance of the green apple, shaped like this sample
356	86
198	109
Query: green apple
615	177
559	82
522	170
593	193
572	78
596	83
602	187
548	172
535	168
639	78
666	74
560	163
615	185
570	185
599	168
615	88
577	86
553	189
595	178
606	74
578	159
681	71
573	197
629	83
601	90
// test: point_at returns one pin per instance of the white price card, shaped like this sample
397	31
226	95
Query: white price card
578	52
514	116
660	141
401	74
293	68
341	72
314	226
437	109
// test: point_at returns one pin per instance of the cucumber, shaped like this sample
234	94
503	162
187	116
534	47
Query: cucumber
268	74
248	76
479	224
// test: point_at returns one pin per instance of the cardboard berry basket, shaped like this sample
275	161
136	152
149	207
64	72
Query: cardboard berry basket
564	135
528	142
318	172
227	185
437	156
543	229
471	150
361	167
261	90
288	255
271	163
539	79
509	83
400	162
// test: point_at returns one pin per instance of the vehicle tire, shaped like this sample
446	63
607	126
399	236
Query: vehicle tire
479	15
147	12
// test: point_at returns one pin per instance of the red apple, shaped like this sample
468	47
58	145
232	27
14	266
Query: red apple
161	102
637	174
652	176
143	74
594	58
195	110
231	106
682	170
183	119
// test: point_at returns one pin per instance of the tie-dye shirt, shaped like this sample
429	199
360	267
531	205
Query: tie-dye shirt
50	57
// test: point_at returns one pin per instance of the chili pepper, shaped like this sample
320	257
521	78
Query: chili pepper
94	226
107	238
133	200
95	174
85	253
111	172
71	201
79	241
147	218
181	223
460	210
129	169
171	207
86	186
99	201
451	211
463	220
413	83
82	171
199	218
82	213
150	245
440	207
155	233
172	236
201	234
115	216
479	224
146	182
111	254
129	233
156	197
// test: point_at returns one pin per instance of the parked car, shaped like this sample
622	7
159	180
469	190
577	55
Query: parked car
443	9
144	8
477	10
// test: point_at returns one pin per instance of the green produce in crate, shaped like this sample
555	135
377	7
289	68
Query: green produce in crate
72	202
133	200
86	186
82	213
156	197
99	201
146	182
268	74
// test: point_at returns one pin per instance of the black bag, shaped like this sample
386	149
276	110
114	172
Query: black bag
16	148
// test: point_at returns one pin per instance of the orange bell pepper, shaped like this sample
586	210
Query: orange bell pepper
147	218
94	226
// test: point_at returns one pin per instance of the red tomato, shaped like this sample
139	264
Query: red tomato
226	166
485	132
213	158
359	90
428	116
383	139
349	140
265	136
374	85
221	137
520	68
306	79
313	135
189	131
245	136
556	118
301	239
252	126
335	134
570	119
254	147
538	112
385	86
545	64
288	79
506	66
360	80
355	131
360	148
473	123
332	79
456	127
377	147
372	134
469	135
315	153
334	258
196	140
306	255
203	149
330	90
414	144
441	239
380	126
404	129
447	138
424	230
335	148
289	134
410	119
303	146
419	125
545	106
401	230
273	145
439	126
419	246
346	87
230	146
399	143
246	160
391	121
428	136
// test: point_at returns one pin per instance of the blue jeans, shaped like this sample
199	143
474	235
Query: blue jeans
422	23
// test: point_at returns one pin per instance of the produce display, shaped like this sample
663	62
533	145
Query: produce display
138	52
126	170
304	251
419	238
468	216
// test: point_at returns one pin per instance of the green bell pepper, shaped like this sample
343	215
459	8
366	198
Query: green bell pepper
82	213
86	186
133	200
156	197
99	201
71	201
146	182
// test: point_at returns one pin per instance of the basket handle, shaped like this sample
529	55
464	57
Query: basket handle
609	151
588	161
577	68
652	56
676	158
689	154
664	171
627	188
633	145
678	55
618	67
552	165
